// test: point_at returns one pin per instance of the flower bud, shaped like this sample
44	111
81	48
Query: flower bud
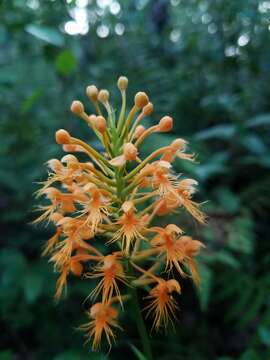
130	151
122	83
92	119
62	137
141	99
101	124
92	92
77	107
148	109
76	268
103	96
165	124
139	131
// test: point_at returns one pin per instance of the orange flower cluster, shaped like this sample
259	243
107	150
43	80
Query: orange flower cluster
115	195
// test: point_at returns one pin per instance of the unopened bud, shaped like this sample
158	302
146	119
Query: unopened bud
130	151
76	268
122	83
62	137
141	99
148	109
139	131
165	124
77	107
92	92
101	124
103	96
92	119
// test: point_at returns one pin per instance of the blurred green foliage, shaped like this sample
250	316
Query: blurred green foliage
205	62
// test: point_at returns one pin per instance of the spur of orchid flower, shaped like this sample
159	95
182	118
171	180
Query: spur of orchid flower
104	205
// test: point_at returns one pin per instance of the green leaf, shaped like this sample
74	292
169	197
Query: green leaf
254	308
240	235
215	132
245	296
227	200
66	62
226	258
259	120
250	354
137	352
47	34
32	284
6	355
254	144
264	335
30	101
205	288
214	165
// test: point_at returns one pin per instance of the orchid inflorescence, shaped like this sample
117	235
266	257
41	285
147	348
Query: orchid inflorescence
115	195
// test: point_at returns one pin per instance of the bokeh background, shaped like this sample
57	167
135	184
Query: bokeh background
207	64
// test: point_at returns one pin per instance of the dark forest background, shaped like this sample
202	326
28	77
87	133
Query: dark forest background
207	64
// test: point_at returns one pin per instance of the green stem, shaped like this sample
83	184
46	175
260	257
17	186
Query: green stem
139	320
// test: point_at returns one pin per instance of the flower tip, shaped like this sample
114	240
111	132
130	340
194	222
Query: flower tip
101	124
141	100
92	92
122	83
148	109
77	107
179	144
62	137
165	124
103	96
139	131
69	158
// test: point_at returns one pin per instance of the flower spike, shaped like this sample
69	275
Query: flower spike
106	210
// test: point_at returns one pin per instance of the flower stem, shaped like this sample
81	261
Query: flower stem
139	321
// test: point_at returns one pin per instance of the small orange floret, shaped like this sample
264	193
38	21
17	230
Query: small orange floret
148	109
101	124
141	99
92	92
102	320
103	96
122	83
165	124
62	137
162	305
77	107
140	129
